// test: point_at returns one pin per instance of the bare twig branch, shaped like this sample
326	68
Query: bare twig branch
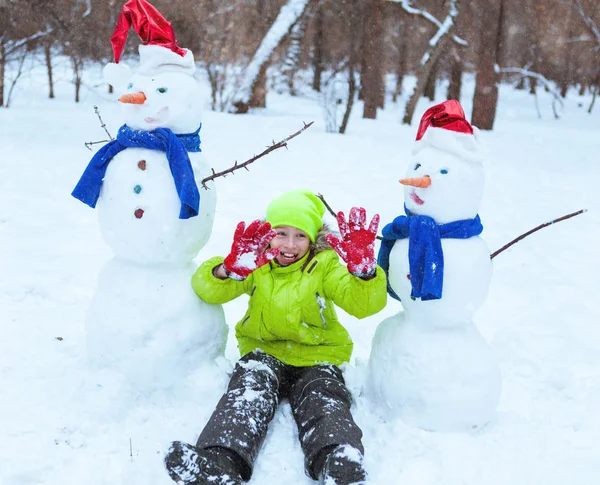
327	206
406	5
12	46
236	166
524	72
102	124
541	226
88	144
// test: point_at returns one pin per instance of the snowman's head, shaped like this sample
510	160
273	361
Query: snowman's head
446	177
163	92
443	186
168	99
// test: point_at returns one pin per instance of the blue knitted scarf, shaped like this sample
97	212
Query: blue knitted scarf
425	255
176	148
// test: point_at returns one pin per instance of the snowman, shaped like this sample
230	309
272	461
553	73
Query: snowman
145	321
429	364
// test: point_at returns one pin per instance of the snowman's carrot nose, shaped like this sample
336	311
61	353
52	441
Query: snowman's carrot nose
421	182
133	98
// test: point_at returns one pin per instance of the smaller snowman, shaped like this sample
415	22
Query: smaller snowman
145	321
429	364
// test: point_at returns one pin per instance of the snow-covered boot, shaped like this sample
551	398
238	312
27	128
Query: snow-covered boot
344	466
188	465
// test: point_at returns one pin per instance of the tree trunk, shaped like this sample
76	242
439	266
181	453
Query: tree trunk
455	85
429	90
353	60
291	64
433	53
401	64
287	17
485	99
2	71
372	70
77	73
48	55
317	60
259	91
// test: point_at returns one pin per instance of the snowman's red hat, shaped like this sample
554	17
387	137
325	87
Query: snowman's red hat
159	51
445	127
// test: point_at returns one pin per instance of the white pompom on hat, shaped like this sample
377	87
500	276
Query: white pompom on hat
445	128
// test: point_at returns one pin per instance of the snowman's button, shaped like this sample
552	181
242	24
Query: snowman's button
138	213
408	276
412	298
142	164
137	189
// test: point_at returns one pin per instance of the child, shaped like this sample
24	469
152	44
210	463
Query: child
290	340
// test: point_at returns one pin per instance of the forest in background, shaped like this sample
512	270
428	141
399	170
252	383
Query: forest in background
246	47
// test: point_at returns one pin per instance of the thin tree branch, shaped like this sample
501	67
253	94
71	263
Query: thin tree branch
327	206
88	144
102	124
524	72
406	5
541	226
236	166
12	46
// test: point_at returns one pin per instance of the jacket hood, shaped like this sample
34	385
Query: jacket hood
321	243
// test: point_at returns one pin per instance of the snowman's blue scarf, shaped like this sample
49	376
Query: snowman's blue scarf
425	255
176	147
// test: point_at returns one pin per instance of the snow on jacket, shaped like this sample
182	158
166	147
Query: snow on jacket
291	313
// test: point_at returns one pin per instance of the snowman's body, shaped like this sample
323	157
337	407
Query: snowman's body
445	375
145	321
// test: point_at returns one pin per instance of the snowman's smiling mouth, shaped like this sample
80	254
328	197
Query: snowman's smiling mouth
416	199
161	116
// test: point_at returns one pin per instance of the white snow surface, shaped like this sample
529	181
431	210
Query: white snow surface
61	422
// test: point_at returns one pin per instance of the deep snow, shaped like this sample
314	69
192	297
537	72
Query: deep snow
60	423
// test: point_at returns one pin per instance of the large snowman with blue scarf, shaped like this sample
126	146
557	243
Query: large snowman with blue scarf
145	320
429	364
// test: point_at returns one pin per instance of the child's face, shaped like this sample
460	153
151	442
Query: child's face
292	243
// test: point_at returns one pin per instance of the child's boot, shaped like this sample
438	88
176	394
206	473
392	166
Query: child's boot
189	465
344	466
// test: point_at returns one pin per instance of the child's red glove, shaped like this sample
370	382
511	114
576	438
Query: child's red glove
248	249
357	246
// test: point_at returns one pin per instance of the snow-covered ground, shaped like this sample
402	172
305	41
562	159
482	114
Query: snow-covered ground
62	424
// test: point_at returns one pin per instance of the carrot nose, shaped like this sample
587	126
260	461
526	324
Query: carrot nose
421	182
133	98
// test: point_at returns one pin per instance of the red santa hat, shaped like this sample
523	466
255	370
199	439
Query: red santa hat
445	127
159	51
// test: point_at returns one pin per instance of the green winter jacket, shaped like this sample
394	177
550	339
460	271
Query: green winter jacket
290	313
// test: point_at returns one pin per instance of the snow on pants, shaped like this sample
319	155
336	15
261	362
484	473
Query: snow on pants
318	397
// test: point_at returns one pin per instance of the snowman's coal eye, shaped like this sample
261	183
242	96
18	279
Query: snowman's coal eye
418	165
130	85
161	90
444	171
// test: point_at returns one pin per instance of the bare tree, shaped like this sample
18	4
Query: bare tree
318	47
485	99
288	16
372	69
436	47
18	30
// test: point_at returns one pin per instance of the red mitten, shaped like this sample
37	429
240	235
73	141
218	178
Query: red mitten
248	249
357	246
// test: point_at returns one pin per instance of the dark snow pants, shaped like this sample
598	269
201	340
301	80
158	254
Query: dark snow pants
318	397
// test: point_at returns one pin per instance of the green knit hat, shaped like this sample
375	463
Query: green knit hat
297	208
